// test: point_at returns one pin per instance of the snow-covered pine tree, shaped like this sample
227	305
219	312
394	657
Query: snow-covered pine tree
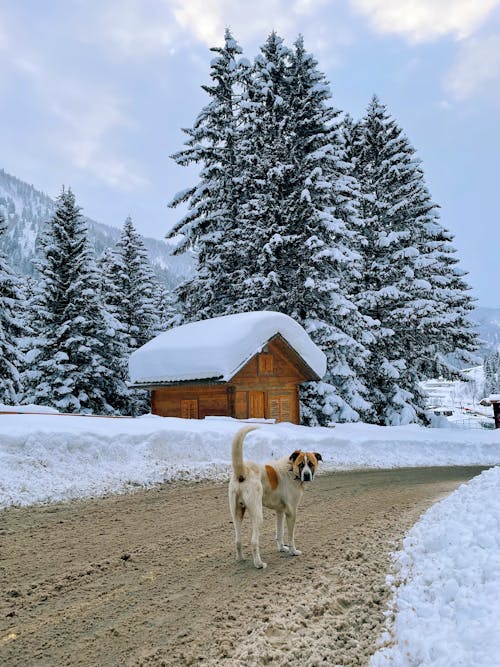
117	351
321	232
167	308
406	260
450	335
267	167
130	291
68	368
135	288
294	222
12	329
211	226
492	373
285	246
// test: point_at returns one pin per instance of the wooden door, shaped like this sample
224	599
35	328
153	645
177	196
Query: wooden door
256	403
189	408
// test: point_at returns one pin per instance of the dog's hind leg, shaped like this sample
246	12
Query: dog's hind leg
290	522
280	529
237	512
254	509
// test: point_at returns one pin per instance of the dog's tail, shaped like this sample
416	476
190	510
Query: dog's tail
237	452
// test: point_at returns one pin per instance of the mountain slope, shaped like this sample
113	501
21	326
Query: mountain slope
27	209
488	321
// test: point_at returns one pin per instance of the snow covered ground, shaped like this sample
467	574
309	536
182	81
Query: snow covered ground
448	575
46	458
461	399
447	586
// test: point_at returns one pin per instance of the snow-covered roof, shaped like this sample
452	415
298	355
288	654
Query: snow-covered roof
218	348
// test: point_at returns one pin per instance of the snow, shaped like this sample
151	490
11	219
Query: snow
41	409
461	399
446	601
46	457
218	348
447	605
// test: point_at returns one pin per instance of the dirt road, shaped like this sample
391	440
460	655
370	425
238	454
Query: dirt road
150	578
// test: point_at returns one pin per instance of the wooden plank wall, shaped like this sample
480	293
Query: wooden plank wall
267	386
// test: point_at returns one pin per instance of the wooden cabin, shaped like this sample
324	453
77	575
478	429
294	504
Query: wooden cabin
249	365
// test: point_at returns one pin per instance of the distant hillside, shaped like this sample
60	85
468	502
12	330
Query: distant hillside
488	321
27	209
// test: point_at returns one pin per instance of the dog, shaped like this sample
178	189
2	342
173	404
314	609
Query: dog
278	485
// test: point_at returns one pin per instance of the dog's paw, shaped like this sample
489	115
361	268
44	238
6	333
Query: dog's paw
294	552
283	547
261	565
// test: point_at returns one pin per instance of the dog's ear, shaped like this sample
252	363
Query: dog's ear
295	455
318	456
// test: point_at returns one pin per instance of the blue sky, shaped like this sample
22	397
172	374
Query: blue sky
93	94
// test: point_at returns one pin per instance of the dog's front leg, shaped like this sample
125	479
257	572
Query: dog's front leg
290	522
280	530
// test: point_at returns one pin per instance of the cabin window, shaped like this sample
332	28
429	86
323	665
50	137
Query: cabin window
280	408
189	408
265	364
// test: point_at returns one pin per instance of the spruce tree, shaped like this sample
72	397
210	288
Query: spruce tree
68	363
134	287
492	373
12	329
130	292
288	235
407	261
210	227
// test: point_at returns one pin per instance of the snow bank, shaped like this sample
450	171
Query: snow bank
46	458
42	409
448	606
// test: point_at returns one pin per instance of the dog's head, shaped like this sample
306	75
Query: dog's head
305	464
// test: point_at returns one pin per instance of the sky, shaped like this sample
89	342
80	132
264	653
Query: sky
94	93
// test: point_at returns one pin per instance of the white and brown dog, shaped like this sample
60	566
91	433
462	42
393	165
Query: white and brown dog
278	485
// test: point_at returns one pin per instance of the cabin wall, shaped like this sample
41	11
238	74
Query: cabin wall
190	402
266	387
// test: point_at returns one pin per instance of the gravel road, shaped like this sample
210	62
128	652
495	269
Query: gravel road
150	578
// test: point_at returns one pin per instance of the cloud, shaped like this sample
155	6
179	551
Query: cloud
207	19
86	120
135	28
142	28
426	20
476	69
81	115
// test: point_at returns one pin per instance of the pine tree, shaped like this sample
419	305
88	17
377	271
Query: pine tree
288	235
167	308
135	288
210	226
117	351
130	292
12	329
408	281
69	370
492	373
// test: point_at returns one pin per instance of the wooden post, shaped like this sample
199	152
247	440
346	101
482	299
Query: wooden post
496	413
231	406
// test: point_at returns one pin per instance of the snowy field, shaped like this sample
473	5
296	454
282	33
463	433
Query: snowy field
446	602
